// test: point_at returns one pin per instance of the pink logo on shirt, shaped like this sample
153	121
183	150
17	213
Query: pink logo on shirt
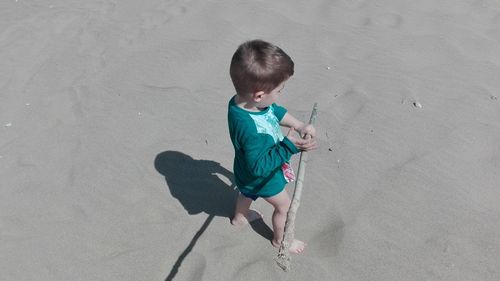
288	172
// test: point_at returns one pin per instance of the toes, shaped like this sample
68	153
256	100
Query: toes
297	247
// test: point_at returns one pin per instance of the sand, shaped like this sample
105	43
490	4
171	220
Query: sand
115	159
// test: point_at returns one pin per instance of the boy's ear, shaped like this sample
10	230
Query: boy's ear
257	97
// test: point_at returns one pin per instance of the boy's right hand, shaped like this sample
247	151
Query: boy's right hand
302	144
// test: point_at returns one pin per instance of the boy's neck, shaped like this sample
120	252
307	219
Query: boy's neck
246	104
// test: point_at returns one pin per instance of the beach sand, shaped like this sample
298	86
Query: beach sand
116	163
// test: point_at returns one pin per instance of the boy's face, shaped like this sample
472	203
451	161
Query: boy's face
266	99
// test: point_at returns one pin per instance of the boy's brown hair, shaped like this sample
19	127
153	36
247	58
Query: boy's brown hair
259	66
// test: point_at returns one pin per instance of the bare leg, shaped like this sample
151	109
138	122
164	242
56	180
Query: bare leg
242	213
281	203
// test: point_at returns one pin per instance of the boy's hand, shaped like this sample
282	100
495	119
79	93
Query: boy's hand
307	131
307	144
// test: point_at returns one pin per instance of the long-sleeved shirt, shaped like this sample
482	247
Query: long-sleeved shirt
260	149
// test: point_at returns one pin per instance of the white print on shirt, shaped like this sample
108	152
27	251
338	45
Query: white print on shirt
268	123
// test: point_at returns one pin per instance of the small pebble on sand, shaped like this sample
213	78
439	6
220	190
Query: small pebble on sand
8	124
417	104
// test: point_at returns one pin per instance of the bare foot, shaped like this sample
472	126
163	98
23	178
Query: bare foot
240	220
297	246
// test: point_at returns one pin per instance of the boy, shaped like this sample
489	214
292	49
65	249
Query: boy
259	71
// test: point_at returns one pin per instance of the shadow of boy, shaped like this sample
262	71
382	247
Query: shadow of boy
196	184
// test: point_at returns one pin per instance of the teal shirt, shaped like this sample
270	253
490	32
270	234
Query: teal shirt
260	149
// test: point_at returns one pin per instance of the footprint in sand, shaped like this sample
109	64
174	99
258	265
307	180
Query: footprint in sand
161	15
496	19
191	269
254	266
327	242
104	6
384	20
199	264
487	93
351	4
349	104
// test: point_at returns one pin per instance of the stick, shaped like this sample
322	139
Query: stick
283	258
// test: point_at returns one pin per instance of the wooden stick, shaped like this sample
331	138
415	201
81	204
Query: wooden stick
283	258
